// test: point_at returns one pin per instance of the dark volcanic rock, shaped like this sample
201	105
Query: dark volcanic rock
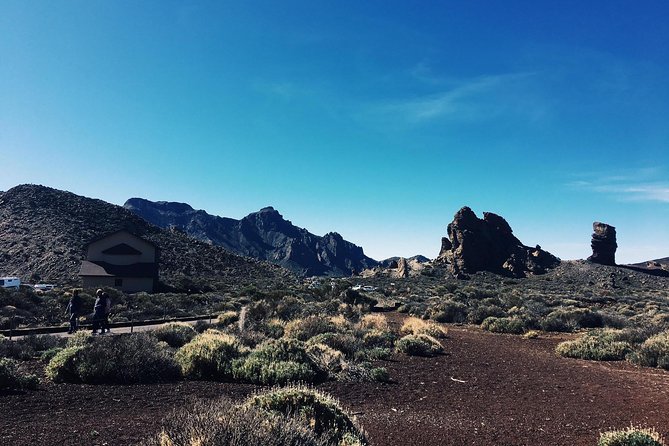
264	235
488	244
43	232
603	244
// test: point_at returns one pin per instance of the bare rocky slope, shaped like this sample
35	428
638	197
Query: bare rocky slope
264	235
44	231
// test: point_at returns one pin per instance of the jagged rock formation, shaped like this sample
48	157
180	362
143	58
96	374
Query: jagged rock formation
402	270
488	244
43	232
264	235
391	262
603	244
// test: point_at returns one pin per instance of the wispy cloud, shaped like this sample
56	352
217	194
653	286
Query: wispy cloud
632	185
482	97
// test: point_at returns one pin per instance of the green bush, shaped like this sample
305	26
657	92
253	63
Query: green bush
307	328
600	345
503	325
123	359
481	312
210	355
653	352
221	423
46	356
12	378
449	311
278	361
15	350
42	343
312	408
570	319
62	367
344	342
176	334
631	436
326	358
419	345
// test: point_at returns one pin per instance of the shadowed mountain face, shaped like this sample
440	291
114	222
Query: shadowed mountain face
44	231
264	235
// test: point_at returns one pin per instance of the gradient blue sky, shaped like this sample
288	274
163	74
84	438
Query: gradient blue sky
375	119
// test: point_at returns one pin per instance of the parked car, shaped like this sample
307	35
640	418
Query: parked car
44	286
357	287
368	288
10	282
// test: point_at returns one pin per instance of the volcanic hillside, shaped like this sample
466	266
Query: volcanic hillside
44	231
264	235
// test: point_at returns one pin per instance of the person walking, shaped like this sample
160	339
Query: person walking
99	309
74	308
105	320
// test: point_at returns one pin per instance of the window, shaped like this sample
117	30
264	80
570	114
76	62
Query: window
118	282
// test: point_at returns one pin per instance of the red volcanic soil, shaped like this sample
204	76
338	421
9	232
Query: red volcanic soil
487	389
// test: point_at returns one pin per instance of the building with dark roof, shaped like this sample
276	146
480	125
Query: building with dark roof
121	260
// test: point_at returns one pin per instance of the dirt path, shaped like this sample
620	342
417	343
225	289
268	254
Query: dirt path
486	390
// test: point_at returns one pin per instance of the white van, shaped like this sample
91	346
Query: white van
10	282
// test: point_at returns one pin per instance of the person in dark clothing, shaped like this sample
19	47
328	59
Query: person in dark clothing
74	308
99	309
107	310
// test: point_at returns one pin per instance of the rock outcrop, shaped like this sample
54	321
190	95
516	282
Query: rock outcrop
488	244
603	244
263	235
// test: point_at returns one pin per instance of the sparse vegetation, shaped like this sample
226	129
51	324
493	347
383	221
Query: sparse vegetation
419	345
176	334
503	325
312	408
631	436
653	352
599	345
12	378
125	359
210	355
415	326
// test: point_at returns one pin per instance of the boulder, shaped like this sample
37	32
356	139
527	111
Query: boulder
488	244
403	269
603	244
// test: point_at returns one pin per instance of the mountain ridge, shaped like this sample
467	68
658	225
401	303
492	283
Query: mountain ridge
44	231
264	234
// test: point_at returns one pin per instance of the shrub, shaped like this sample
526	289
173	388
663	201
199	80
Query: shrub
449	311
374	322
176	334
653	352
532	334
80	338
327	359
210	355
481	312
132	358
345	343
315	409
307	328
278	361
415	326
227	318
41	343
373	354
12	378
62	367
503	325
46	356
379	338
419	345
15	350
601	345
631	436
220	423
570	319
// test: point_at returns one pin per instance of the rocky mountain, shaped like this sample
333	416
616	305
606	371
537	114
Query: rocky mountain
391	262
488	244
44	231
263	235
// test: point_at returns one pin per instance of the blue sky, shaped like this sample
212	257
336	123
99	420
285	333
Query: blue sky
375	119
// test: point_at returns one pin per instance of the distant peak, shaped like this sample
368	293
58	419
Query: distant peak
267	209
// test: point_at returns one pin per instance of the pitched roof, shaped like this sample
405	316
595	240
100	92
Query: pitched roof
116	232
104	269
122	249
